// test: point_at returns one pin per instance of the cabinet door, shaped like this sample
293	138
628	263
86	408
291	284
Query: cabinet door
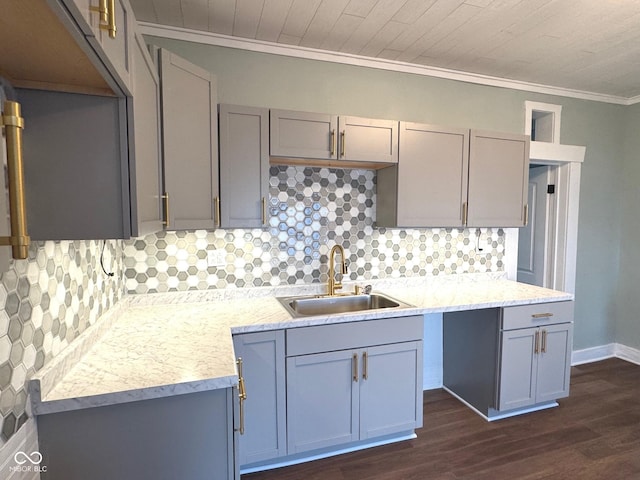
190	143
432	176
554	362
390	390
322	400
77	176
115	51
263	363
303	134
517	385
146	181
498	179
367	140
244	166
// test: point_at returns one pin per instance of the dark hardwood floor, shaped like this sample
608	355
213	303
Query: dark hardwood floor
593	434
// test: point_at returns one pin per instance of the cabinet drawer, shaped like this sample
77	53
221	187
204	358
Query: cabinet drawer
342	336
526	316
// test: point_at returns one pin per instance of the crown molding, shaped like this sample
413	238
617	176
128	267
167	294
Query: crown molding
219	40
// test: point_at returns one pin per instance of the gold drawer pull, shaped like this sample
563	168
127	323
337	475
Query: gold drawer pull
536	343
365	366
343	134
242	395
542	315
544	342
354	363
332	142
165	197
217	213
102	10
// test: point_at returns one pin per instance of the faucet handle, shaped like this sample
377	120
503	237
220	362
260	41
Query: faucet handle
359	290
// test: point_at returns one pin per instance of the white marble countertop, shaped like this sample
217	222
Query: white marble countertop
170	344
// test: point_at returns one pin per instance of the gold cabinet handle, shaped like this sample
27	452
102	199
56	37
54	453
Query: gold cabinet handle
526	215
542	315
465	213
342	142
216	202
111	27
264	210
102	10
332	143
354	365
536	347
544	342
14	124
165	198
365	366
242	395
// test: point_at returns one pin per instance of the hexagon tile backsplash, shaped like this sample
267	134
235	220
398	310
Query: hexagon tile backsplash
310	209
46	302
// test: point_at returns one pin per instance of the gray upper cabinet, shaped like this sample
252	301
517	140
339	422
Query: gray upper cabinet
190	143
111	34
304	135
146	172
263	360
428	187
498	179
450	177
244	166
77	176
367	140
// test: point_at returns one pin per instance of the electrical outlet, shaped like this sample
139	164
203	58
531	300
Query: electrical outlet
217	258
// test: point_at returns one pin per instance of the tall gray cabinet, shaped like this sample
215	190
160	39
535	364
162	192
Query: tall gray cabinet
244	166
190	144
146	172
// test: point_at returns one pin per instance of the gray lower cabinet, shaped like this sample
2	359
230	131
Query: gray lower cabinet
306	135
428	187
498	179
504	361
336	397
535	365
190	144
244	166
264	436
146	171
184	436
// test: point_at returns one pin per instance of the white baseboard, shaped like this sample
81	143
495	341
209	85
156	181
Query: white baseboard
603	352
24	440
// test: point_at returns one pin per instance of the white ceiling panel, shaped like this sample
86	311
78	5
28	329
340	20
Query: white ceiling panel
590	45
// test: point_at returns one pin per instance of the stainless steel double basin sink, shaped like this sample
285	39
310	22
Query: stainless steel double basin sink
304	306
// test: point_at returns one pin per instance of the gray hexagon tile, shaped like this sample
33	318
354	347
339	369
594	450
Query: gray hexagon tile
310	209
48	300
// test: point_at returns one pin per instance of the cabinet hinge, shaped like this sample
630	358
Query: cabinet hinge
551	189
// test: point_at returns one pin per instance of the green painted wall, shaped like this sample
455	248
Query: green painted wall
266	80
627	326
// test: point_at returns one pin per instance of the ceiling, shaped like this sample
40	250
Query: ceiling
585	45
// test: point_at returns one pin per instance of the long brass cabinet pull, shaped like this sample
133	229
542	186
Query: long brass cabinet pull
536	344
242	395
544	342
216	203
13	124
332	143
111	26
542	315
465	213
354	365
526	215
264	210
165	198
365	366
342	142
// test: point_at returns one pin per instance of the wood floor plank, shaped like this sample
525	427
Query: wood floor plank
593	435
